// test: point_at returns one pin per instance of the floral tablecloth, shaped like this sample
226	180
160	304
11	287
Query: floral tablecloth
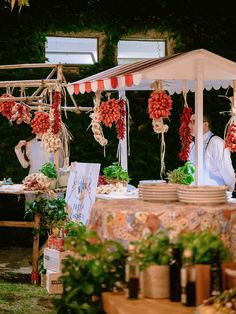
131	219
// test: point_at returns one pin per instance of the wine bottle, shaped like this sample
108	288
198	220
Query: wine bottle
175	267
132	275
216	275
188	279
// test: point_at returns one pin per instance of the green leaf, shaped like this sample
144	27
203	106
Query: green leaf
87	288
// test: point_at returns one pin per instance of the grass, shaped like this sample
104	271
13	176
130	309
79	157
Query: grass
19	298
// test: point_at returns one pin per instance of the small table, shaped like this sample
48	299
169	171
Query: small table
18	189
119	304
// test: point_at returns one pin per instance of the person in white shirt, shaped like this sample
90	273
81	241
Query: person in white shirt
32	154
217	164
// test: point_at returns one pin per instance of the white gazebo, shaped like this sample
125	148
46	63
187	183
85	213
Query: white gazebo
190	71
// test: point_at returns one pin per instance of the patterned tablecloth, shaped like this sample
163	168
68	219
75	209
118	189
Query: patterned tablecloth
126	220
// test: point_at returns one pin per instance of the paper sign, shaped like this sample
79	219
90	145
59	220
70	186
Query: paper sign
81	190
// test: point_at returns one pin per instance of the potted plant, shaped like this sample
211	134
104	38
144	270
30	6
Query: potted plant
182	175
49	170
204	244
95	269
153	253
52	211
115	173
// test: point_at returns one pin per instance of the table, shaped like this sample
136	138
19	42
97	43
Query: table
127	220
17	189
119	304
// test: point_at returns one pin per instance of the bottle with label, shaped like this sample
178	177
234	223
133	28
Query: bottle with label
175	267
188	279
132	275
216	275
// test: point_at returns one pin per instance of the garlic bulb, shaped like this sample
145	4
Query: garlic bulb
51	142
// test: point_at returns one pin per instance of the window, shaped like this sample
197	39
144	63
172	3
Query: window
135	50
71	50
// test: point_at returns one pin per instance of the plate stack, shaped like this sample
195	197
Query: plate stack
197	194
158	192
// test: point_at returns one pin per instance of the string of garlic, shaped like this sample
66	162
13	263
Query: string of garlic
51	142
97	128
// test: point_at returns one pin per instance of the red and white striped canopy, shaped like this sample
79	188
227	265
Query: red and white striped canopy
119	77
215	72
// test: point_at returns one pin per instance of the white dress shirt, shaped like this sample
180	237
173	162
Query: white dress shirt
217	164
36	154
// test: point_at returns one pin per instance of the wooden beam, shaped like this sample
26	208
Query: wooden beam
26	98
20	224
30	83
50	75
27	66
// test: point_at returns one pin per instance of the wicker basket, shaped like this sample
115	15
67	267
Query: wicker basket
156	282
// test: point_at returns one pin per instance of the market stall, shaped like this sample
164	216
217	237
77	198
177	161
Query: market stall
38	103
190	71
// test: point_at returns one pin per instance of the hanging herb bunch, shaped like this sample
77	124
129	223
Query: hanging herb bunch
184	132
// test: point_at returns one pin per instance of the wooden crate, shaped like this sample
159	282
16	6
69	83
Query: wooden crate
52	259
54	284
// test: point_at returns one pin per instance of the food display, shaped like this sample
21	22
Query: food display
36	181
115	179
225	303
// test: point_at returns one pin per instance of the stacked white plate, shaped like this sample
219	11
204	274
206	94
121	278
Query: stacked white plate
158	192
202	194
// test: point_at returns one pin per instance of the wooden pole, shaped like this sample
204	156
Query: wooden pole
30	83
27	66
26	98
35	258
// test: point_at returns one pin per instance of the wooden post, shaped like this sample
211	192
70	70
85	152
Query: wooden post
35	258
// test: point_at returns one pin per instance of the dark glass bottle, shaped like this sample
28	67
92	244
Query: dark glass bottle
132	275
175	267
188	280
216	275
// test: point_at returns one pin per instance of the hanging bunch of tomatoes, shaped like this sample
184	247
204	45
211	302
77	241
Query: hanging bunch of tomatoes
6	106
109	112
184	133
230	139
114	111
159	105
40	123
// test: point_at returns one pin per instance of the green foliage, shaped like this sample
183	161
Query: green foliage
49	170
115	171
96	268
182	175
52	211
204	244
154	249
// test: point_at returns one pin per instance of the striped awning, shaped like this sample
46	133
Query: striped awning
119	77
216	72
